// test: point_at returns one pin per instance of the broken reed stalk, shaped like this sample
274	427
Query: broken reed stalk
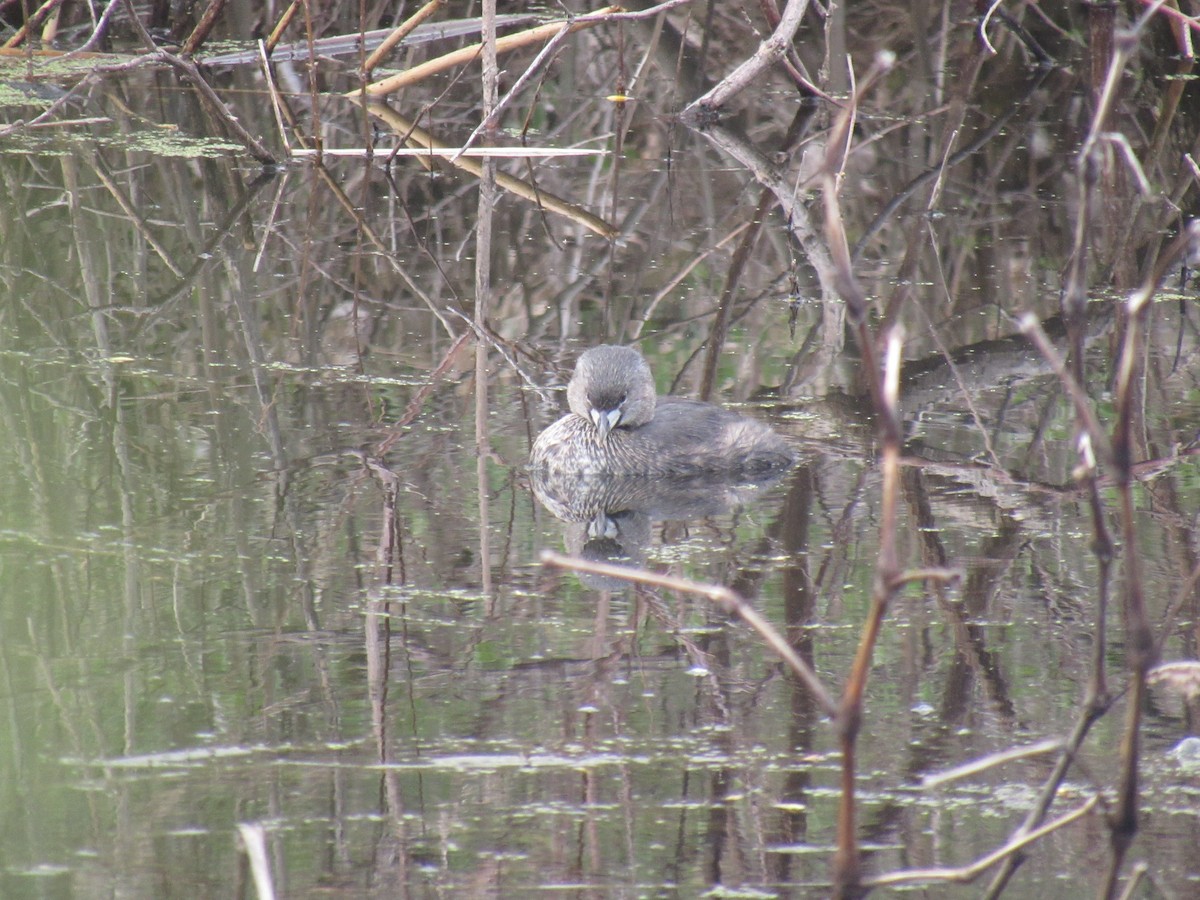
207	20
467	54
281	26
314	92
277	104
401	32
34	21
489	77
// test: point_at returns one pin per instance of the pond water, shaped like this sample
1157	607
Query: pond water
255	585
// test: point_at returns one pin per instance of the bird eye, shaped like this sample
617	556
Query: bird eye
621	402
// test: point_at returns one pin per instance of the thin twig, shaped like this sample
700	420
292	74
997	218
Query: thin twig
32	22
984	763
769	52
719	594
966	874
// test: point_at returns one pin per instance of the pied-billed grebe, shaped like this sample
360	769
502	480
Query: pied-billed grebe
618	426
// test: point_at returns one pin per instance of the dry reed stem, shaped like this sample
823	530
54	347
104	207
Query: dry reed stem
277	104
675	280
281	26
208	96
470	52
488	333
492	117
715	342
718	593
1177	17
800	221
447	153
1091	711
1089	423
207	20
32	22
253	844
116	58
402	31
489	76
99	31
217	106
1141	648
413	134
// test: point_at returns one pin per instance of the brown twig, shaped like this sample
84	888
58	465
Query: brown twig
281	26
39	15
1141	649
386	251
491	118
1117	455
402	31
737	265
730	600
209	18
414	407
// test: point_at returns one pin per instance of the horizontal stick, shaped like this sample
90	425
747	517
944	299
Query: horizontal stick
447	152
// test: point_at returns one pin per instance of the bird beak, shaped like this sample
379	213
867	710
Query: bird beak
606	421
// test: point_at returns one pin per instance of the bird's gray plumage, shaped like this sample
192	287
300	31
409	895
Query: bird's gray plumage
618	426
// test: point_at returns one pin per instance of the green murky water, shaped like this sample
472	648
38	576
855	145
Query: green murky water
249	575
